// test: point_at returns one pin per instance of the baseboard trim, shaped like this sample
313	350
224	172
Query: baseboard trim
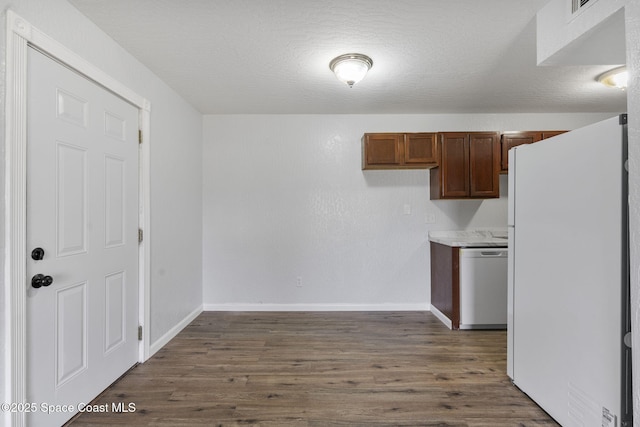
316	307
444	319
171	333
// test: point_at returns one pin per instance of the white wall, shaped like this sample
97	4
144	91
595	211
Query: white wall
176	212
176	168
284	197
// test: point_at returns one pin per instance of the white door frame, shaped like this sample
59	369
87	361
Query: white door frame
20	35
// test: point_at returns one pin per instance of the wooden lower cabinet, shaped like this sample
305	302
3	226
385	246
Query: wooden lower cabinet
468	166
445	281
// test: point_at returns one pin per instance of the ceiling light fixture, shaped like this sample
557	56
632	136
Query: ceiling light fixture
617	77
351	67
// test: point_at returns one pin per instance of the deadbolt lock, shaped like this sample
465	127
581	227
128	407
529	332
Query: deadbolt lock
37	254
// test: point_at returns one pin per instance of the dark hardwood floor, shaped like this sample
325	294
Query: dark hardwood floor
322	369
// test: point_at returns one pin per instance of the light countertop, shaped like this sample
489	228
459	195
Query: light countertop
471	238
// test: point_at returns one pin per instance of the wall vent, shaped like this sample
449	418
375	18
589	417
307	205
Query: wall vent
578	6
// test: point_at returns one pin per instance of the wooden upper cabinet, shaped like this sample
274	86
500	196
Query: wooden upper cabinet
381	150
469	166
454	165
399	150
551	133
513	139
509	140
420	149
484	168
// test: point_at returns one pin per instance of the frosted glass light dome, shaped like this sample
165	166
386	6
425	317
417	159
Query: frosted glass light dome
618	77
350	68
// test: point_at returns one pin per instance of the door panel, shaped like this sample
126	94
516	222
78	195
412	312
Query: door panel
484	164
71	332
455	164
71	199
114	179
115	309
114	126
71	108
82	209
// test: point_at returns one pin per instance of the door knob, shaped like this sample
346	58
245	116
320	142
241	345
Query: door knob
40	280
37	254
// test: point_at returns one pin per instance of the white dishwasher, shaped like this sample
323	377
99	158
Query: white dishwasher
483	288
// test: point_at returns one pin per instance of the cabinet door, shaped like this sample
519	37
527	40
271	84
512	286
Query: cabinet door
484	159
550	133
513	139
382	150
445	281
454	165
420	149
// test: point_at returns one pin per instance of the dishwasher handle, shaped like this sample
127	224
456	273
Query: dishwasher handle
483	253
492	253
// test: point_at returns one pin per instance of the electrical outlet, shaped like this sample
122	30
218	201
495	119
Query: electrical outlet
430	218
298	282
407	209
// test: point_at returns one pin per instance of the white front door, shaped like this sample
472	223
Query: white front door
82	212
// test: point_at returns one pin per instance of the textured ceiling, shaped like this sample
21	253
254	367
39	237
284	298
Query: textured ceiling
272	56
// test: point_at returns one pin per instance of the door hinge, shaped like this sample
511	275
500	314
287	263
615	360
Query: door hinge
140	235
140	333
623	119
139	136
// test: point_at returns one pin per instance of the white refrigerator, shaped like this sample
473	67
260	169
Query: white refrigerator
568	286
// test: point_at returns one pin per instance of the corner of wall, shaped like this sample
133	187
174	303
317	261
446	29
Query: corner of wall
175	330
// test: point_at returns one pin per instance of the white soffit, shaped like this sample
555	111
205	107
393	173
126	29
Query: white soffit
603	43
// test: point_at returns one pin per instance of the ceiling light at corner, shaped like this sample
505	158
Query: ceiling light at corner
617	77
351	67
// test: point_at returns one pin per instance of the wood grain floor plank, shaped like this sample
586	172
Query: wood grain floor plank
322	369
